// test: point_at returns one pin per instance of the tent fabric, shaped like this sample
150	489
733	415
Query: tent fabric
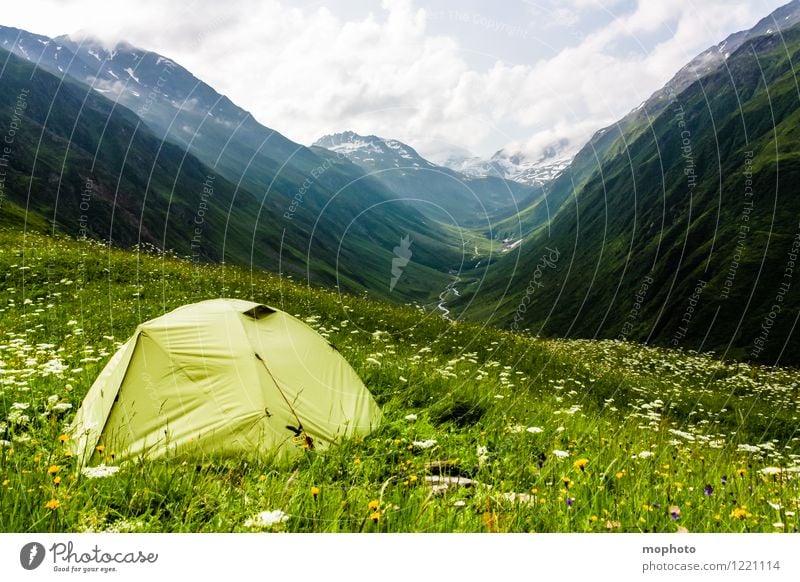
222	377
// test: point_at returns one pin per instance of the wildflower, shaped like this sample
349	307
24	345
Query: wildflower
740	513
675	512
410	417
373	505
63	438
561	454
483	454
266	519
459	503
52	504
534	430
567	482
314	492
357	461
57	481
424	444
708	491
620	474
645	454
569	501
724	479
53	469
412	479
375	517
741	472
581	464
778	524
99	471
100	448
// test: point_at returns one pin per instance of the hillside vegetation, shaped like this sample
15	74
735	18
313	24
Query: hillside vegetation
484	430
687	232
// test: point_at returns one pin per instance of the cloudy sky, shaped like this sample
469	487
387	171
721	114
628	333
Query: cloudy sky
479	75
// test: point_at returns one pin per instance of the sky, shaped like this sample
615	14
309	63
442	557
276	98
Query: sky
443	76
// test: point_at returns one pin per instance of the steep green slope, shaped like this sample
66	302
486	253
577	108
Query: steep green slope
87	168
688	235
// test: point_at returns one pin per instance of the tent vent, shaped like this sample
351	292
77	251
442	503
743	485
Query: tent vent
259	311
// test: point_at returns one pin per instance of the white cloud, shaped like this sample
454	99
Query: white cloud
309	71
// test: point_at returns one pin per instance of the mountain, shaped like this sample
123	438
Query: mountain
446	195
610	141
516	167
687	234
312	214
684	231
81	165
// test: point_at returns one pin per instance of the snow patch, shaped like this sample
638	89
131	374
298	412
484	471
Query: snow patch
131	75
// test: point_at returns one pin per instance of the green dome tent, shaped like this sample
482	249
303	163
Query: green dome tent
222	377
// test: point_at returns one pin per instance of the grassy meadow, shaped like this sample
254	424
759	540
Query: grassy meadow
485	430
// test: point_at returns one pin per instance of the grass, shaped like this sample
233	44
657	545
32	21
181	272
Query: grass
541	435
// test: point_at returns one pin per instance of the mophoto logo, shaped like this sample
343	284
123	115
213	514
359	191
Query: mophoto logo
31	555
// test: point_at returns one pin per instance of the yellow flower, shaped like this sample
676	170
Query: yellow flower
67	454
620	474
373	505
741	472
57	481
567	482
314	492
262	477
412	478
375	516
740	513
52	504
100	448
63	438
581	464
53	469
357	461
5	482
